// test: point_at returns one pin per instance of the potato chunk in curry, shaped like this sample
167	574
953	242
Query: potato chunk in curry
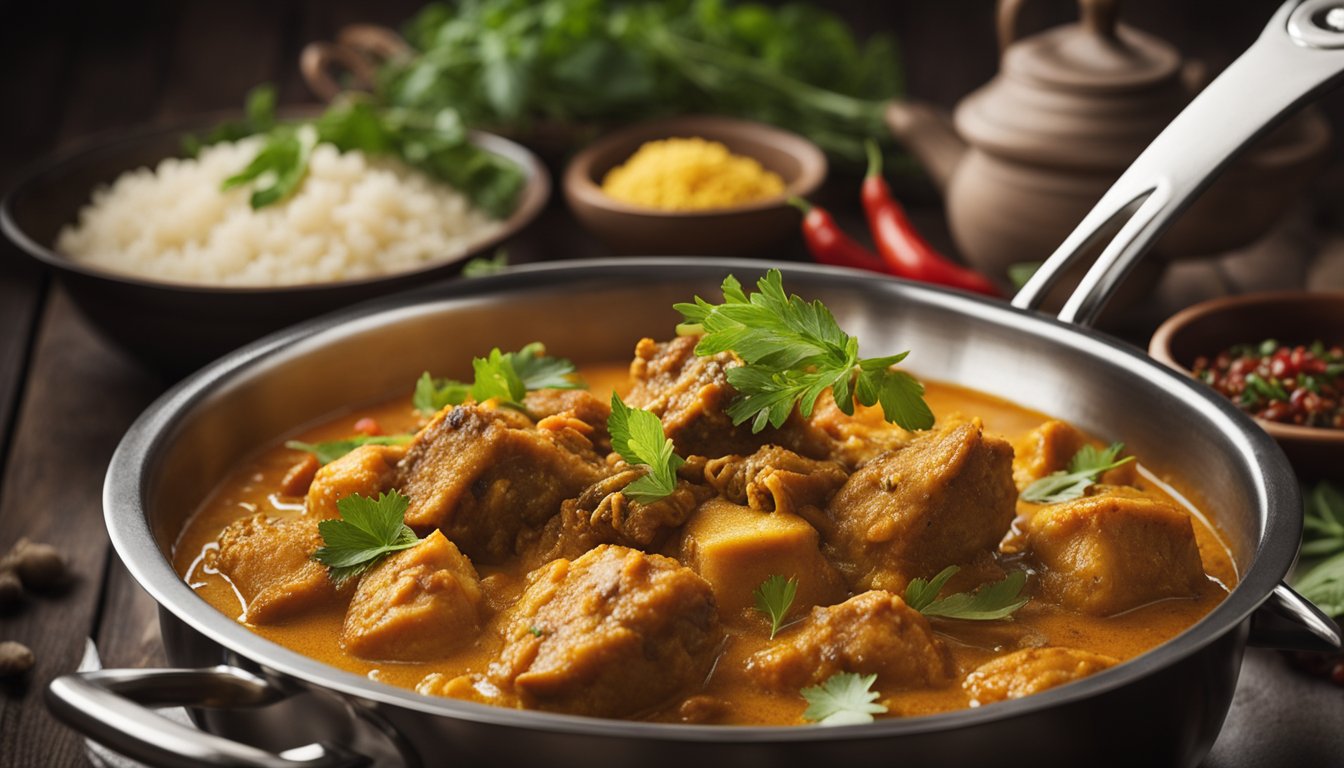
1106	554
268	562
368	470
609	634
945	500
419	604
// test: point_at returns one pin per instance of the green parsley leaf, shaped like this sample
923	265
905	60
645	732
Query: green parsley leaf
773	598
1086	466
637	435
278	167
990	602
845	698
482	266
367	531
332	450
919	594
792	352
508	376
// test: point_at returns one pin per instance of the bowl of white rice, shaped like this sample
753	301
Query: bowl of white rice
177	270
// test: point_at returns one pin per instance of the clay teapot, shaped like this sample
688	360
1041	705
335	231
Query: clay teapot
1028	154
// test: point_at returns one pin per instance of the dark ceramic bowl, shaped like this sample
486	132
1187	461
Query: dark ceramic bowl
1292	317
744	230
177	327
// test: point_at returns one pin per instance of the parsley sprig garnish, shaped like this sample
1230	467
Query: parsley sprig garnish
845	698
367	531
506	376
331	450
794	351
1323	582
773	598
1086	466
988	603
637	436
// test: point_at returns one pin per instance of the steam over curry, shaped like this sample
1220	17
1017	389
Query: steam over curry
782	572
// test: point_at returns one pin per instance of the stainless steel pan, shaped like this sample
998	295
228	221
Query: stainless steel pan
1164	707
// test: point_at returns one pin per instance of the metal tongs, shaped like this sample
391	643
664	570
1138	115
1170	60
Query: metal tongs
1299	55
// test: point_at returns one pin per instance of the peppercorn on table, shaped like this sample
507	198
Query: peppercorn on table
66	395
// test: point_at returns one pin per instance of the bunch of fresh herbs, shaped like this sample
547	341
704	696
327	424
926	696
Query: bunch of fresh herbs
1321	576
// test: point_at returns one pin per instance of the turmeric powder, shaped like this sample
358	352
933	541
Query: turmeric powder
682	174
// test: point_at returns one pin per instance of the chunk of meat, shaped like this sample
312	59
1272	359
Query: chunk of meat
578	404
691	394
299	478
417	604
947	499
775	478
603	514
871	633
1031	670
1106	554
490	480
269	562
859	438
368	470
736	548
610	634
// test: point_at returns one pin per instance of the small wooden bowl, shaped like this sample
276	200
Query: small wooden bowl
1292	317
744	230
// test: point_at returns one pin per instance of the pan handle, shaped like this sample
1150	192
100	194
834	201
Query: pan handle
1289	622
1299	55
114	707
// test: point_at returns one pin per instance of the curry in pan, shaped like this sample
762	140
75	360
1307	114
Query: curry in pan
729	530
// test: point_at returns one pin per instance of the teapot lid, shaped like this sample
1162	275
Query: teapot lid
1095	54
1086	95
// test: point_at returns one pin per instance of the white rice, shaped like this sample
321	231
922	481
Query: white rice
351	217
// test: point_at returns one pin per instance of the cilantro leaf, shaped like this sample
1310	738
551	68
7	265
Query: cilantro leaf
1086	466
278	167
508	376
845	698
988	603
332	450
793	351
773	598
367	531
637	435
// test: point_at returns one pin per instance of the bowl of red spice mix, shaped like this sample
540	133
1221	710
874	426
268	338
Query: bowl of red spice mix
1277	356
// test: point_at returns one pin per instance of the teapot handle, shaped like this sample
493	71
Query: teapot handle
1096	16
1299	55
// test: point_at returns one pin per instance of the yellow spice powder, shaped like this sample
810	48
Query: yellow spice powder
690	174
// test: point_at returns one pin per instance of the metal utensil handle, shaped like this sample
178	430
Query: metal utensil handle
114	708
1299	55
1288	621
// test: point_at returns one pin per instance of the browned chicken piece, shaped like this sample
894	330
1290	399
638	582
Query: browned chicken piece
610	634
490	480
947	499
1031	670
856	439
368	470
416	605
1106	554
580	404
1050	447
775	478
269	562
299	478
603	514
871	633
736	548
691	393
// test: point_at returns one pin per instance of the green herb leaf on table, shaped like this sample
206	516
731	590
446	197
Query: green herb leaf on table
773	598
845	698
1322	582
332	450
367	531
1085	468
793	351
482	266
508	376
637	436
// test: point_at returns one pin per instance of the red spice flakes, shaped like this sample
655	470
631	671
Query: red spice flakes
1301	384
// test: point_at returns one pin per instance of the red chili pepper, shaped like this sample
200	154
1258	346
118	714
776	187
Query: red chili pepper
906	253
828	242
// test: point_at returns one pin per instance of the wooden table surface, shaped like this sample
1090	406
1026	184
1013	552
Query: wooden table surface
66	396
